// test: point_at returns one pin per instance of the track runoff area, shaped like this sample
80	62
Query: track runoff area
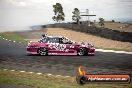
82	77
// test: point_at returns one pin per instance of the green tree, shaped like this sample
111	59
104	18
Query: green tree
76	15
58	13
101	22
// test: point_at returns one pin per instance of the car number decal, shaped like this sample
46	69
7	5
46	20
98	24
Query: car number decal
59	47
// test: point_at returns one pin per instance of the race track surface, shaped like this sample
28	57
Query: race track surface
13	56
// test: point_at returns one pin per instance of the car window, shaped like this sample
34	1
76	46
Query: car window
66	41
53	40
43	40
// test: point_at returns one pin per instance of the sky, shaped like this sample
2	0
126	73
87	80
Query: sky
38	12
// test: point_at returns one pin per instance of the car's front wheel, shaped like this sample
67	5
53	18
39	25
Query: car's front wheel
43	51
82	51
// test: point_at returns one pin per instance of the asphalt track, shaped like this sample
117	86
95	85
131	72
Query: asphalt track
13	56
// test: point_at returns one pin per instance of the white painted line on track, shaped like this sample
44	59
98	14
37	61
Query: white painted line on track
12	70
22	71
5	69
49	74
58	75
36	73
11	40
39	73
30	72
67	76
113	51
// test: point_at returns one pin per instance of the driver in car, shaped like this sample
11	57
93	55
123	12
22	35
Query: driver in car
60	41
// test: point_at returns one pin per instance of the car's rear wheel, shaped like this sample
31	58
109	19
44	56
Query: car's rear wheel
42	51
82	51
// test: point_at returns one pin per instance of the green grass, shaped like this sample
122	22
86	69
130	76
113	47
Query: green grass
12	36
44	81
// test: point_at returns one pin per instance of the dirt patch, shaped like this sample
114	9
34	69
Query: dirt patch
119	26
97	41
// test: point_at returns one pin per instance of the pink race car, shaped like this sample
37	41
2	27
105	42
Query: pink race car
58	45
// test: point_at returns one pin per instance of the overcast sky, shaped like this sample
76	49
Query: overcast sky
31	12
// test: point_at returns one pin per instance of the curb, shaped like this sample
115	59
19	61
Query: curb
38	73
10	40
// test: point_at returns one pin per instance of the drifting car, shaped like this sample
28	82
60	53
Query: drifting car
59	45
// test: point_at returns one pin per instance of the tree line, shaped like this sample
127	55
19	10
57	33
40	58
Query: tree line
60	16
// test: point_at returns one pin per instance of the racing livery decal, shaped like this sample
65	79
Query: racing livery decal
59	45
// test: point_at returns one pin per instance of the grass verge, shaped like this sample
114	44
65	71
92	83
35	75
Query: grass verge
44	81
12	36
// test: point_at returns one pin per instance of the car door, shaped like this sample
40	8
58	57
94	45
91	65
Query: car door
55	47
52	45
70	46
